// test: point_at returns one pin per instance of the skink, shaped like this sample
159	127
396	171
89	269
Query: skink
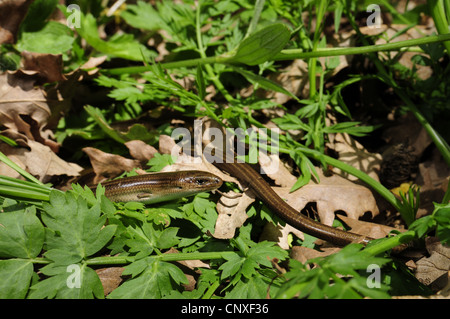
154	188
267	195
158	187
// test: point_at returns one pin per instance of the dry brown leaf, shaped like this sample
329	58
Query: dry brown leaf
39	160
332	194
280	175
23	107
304	254
91	65
48	66
354	154
432	271
433	178
280	234
293	78
232	214
369	229
108	165
141	150
12	13
110	278
186	162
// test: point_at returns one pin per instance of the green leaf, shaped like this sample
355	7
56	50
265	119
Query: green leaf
143	16
232	265
290	122
200	81
349	128
21	234
143	239
52	38
73	282
350	259
74	227
255	287
442	216
98	117
123	46
168	238
263	82
152	279
159	161
423	225
37	34
15	278
259	255
262	45
139	132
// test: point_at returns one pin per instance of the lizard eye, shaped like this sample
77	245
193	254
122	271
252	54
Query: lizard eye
201	181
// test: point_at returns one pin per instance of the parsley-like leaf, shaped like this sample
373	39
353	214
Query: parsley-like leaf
152	278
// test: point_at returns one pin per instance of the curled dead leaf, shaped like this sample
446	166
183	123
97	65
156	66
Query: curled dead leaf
141	150
48	66
39	160
332	194
12	13
280	234
108	165
24	107
232	214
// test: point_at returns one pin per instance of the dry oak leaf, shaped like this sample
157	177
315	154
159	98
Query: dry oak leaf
303	254
293	78
19	100
141	150
39	160
232	214
280	234
353	153
332	194
368	229
107	165
432	271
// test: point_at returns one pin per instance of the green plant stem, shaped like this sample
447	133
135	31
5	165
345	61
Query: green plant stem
389	243
124	260
312	63
438	12
290	54
18	169
119	260
259	6
446	198
440	143
208	294
209	70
